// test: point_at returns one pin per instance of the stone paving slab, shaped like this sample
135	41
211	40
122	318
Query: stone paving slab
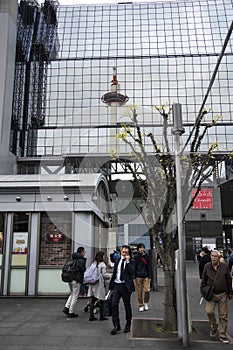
39	324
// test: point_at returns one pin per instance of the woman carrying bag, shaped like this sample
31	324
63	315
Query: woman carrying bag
97	290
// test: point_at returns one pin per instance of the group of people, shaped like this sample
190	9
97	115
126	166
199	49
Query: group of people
216	273
129	271
134	272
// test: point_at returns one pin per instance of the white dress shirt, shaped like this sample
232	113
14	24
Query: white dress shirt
118	275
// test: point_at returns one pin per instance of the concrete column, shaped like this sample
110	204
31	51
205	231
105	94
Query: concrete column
83	233
126	233
8	30
33	254
9	222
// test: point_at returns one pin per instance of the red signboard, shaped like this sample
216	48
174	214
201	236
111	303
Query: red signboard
55	237
204	199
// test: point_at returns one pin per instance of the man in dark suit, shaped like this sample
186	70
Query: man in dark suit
122	284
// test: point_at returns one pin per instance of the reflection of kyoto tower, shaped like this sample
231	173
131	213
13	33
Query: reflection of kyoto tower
114	99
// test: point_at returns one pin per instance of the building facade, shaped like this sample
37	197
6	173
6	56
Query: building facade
70	73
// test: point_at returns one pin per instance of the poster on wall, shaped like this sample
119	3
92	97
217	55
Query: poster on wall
20	243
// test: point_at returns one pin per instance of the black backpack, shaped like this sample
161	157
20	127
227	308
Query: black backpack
69	271
112	259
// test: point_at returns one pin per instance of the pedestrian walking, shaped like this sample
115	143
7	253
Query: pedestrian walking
74	285
143	275
229	254
230	263
97	290
204	258
217	274
122	285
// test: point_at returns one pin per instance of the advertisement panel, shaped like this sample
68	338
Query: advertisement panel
204	199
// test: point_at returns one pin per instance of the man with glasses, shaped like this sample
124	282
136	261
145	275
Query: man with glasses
217	274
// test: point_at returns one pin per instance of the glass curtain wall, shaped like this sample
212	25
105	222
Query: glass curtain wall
164	52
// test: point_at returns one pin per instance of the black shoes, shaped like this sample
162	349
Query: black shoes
115	329
70	315
92	318
127	329
103	319
66	310
73	315
118	328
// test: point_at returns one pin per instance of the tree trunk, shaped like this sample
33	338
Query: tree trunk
170	315
167	254
153	256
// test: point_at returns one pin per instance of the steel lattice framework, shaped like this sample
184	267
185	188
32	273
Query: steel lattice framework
163	52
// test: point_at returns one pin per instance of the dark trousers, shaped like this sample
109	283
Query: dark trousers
92	306
119	292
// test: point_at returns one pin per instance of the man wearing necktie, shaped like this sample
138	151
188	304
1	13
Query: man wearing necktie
122	284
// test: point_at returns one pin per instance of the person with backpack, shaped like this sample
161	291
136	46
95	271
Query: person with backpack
74	285
143	275
114	256
96	289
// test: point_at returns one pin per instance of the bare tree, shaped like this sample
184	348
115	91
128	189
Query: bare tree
158	187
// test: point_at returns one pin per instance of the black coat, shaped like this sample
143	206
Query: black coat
128	275
203	260
80	266
230	264
143	266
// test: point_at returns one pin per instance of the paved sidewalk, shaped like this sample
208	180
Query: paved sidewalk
39	324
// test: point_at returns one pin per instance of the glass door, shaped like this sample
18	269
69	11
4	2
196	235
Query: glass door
19	254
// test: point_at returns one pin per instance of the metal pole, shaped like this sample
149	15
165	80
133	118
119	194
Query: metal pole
178	297
178	131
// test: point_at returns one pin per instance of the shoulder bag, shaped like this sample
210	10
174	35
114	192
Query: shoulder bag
209	290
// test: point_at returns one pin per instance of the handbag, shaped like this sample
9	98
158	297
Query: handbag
108	304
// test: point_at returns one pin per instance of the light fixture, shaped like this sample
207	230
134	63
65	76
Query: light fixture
18	198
